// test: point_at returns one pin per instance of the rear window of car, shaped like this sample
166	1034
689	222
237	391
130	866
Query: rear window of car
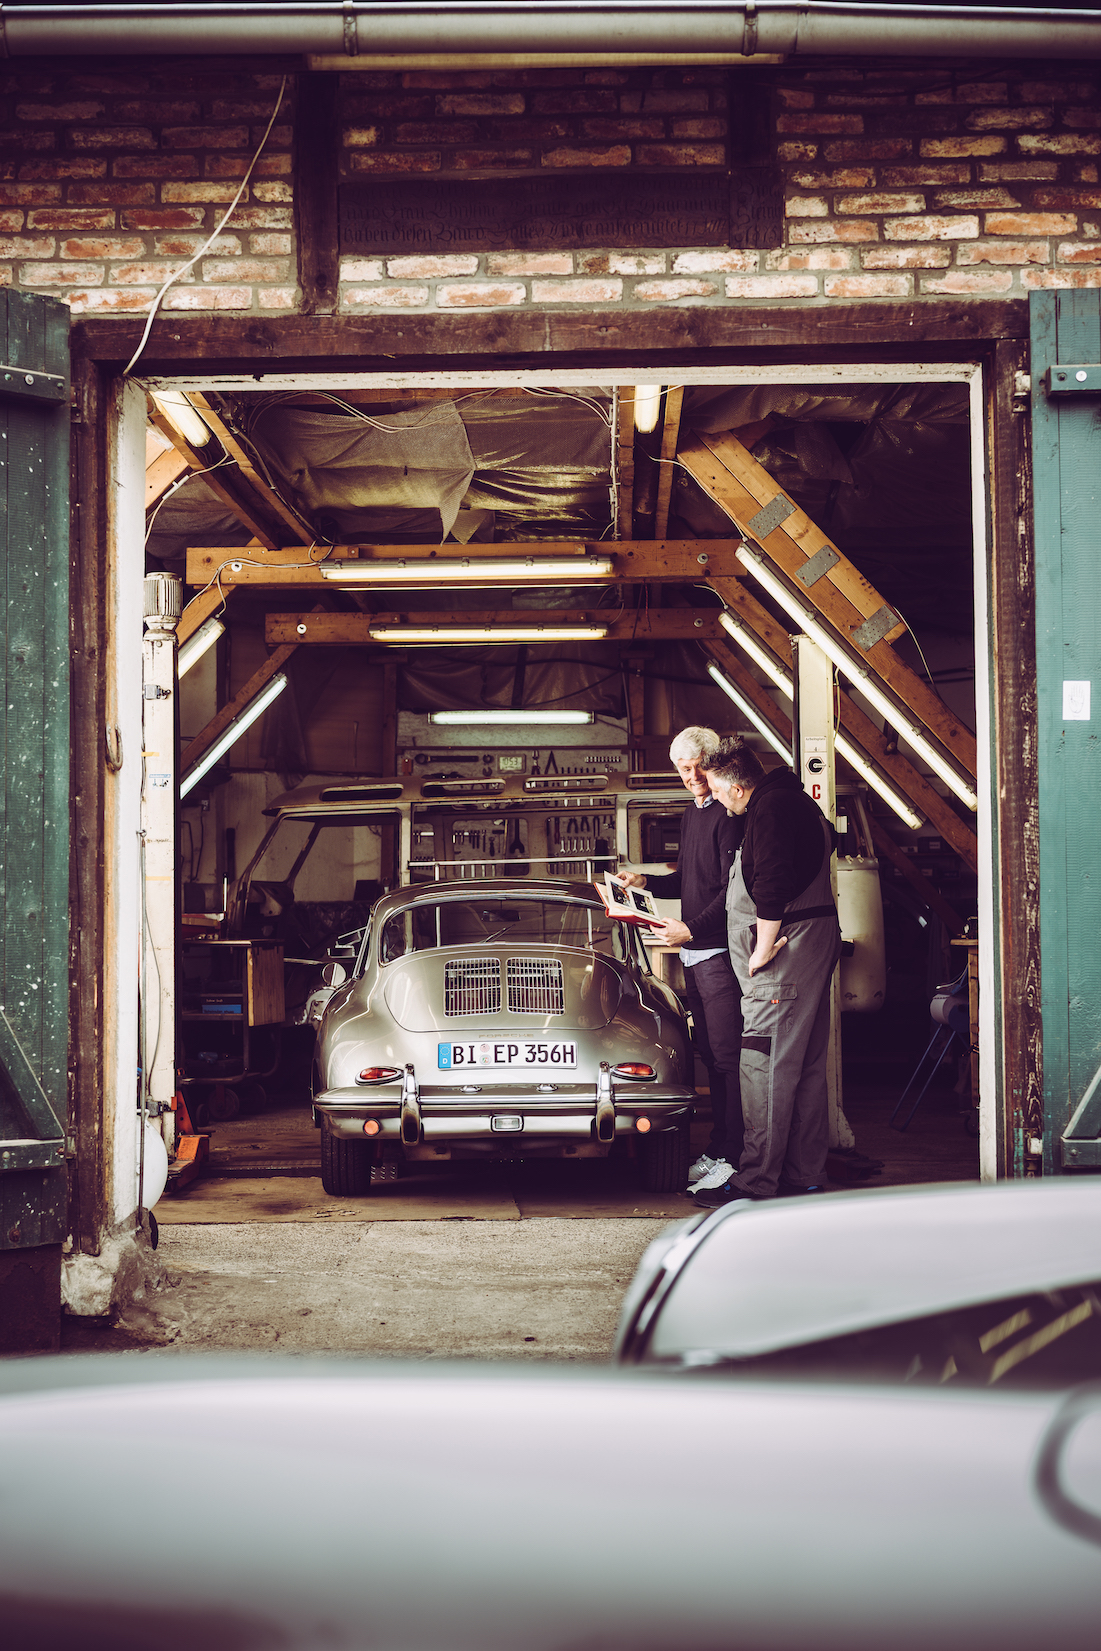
450	923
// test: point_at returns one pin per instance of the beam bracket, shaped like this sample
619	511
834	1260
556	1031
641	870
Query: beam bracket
1078	379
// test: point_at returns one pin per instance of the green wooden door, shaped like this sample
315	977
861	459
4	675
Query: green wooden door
1066	440
34	771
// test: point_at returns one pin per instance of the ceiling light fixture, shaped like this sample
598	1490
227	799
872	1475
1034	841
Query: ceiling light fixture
196	646
844	746
860	675
240	724
182	416
459	719
647	403
441	570
747	707
438	635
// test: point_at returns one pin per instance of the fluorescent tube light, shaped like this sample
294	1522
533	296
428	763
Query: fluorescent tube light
446	570
760	655
647	402
747	707
859	673
856	759
270	691
439	634
196	646
460	719
182	416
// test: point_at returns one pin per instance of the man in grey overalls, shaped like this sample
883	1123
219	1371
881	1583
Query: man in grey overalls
780	881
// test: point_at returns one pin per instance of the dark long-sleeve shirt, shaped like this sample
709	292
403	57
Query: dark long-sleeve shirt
709	840
783	845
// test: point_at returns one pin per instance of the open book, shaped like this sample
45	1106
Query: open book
627	905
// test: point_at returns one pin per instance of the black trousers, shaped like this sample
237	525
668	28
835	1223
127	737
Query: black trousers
715	999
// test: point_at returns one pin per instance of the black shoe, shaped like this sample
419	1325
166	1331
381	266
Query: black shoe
713	1198
787	1190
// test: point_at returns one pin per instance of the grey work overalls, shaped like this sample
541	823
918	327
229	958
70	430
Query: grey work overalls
785	1034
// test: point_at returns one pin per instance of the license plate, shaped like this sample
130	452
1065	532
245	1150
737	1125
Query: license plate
508	1056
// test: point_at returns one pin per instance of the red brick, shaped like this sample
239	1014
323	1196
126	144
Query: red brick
1072	199
806	206
61	275
118	248
14	220
217	194
924	257
869	149
796	151
34	170
112	301
1004	252
707	263
480	295
272	191
586	291
789	97
956	148
866	100
1086	172
262	217
1030	223
109	85
877	205
141	274
396	108
244	269
441	80
361	269
893	177
854	229
208	298
1082	117
969	281
1056	91
1059	143
111	194
818	124
28	142
270	245
528	263
395	160
1009	120
155	166
481	160
699	128
432	131
982	91
671	292
868	286
1035	278
278	298
112	137
933	227
6	275
680	154
205	137
510	103
1018	171
148	109
677	102
59	111
772	286
362	137
26	246
232	109
843	177
621	263
971	200
1081	252
605	77
425	267
603	127
385	298
527	131
819	258
617	155
180	217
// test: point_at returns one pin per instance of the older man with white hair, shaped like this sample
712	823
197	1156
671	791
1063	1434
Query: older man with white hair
710	838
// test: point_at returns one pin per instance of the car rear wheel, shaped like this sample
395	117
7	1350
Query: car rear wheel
345	1165
665	1161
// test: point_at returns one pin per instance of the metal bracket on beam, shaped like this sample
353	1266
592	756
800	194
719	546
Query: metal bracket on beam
1079	379
769	518
16	1155
33	386
873	630
817	566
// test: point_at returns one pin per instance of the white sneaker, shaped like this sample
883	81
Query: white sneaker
702	1165
717	1176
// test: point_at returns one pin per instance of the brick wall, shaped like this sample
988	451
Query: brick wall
901	181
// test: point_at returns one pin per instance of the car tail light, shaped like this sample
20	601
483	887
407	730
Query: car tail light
642	1125
372	1127
378	1074
633	1069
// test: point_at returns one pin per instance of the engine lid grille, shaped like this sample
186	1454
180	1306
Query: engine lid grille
535	986
472	986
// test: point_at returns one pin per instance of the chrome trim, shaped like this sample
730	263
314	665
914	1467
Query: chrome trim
636	1336
605	1105
412	1127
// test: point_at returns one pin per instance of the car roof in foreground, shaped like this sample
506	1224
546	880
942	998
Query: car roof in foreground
483	888
755	1278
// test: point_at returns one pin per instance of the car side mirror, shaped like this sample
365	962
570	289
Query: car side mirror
334	974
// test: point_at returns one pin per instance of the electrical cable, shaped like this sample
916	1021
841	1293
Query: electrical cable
182	481
183	269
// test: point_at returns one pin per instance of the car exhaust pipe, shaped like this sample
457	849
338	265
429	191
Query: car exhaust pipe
411	1128
605	1106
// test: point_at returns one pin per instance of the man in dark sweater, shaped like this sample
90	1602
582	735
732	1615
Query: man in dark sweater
781	882
708	844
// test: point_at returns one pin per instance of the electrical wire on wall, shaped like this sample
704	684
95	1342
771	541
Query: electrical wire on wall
209	242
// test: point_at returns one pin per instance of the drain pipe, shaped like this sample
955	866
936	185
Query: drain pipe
670	30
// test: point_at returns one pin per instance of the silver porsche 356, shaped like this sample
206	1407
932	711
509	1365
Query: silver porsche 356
480	1021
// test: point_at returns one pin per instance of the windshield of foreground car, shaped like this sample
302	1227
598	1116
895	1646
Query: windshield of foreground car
489	920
